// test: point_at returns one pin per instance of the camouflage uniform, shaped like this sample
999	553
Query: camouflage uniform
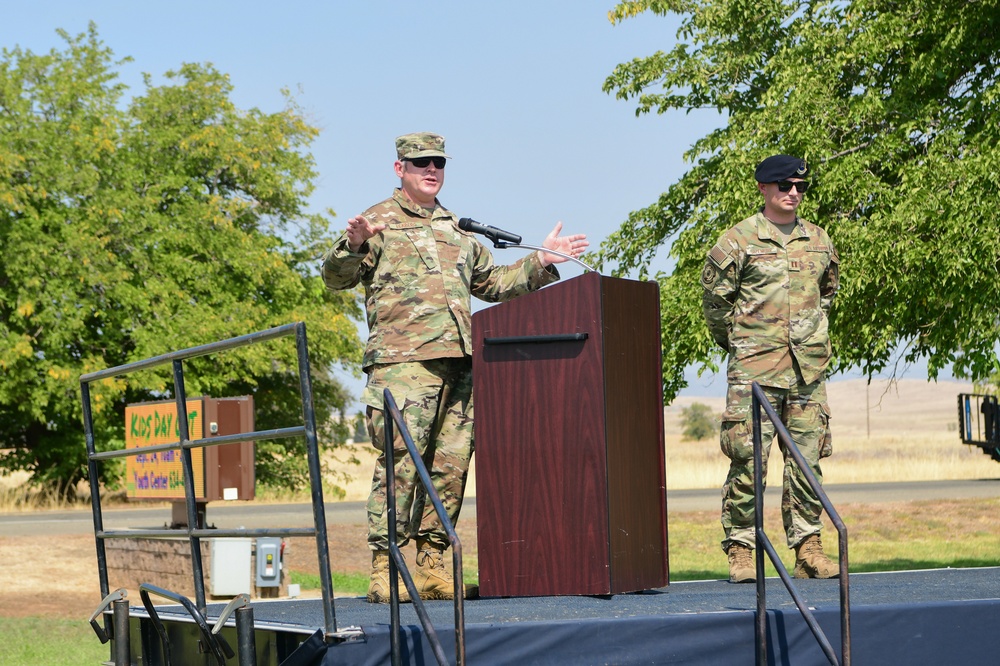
419	274
766	300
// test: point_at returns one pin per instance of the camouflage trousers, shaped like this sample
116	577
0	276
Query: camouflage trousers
804	411
435	400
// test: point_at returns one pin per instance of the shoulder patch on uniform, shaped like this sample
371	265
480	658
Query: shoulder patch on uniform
719	257
708	275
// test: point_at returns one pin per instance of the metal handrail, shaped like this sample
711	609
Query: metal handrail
242	611
759	401
214	642
396	561
185	445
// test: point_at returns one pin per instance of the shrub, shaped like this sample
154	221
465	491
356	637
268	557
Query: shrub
698	422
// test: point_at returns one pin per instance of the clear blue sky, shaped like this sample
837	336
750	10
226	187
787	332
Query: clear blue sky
514	86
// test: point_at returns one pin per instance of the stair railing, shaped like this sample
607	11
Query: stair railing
394	419
185	445
759	402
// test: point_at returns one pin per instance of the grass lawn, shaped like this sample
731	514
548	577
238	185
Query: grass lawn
53	642
882	537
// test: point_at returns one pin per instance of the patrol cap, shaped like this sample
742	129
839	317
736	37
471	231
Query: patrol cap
780	167
420	144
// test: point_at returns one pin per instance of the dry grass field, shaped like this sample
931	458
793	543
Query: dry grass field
901	431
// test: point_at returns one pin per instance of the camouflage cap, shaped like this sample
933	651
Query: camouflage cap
420	144
780	167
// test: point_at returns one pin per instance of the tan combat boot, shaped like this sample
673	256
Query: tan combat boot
432	578
378	586
742	568
811	561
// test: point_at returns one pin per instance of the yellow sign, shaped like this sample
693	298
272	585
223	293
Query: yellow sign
160	474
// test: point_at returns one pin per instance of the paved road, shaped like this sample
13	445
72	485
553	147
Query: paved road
850	493
241	514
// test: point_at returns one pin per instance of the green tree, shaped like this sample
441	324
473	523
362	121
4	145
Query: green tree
361	428
131	228
698	422
895	106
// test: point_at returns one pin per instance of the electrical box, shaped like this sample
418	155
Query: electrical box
268	562
229	571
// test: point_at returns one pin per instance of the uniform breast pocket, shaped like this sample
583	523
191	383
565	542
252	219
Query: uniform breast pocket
761	262
400	265
395	279
817	258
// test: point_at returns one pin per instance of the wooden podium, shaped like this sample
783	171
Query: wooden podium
570	475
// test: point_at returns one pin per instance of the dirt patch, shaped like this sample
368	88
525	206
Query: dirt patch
59	576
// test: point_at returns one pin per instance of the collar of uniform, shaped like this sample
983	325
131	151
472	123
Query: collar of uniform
764	226
416	209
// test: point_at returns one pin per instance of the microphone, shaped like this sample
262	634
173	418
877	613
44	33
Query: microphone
494	234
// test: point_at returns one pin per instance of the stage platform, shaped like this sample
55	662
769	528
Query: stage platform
933	617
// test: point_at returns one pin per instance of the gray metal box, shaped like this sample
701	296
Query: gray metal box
268	562
229	572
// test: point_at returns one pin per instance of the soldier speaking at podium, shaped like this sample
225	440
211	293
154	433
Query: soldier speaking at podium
768	285
419	271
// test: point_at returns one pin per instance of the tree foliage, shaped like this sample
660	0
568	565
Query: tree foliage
130	228
698	422
361	428
895	105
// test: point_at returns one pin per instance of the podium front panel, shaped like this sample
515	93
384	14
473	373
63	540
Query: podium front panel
560	478
540	438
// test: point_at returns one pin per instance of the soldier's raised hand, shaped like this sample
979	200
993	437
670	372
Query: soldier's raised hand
573	245
359	230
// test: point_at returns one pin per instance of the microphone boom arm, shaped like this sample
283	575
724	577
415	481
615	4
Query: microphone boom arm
501	245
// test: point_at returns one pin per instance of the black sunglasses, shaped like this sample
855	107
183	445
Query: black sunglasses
422	162
787	185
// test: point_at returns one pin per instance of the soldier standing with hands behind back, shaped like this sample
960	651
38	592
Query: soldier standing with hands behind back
419	271
768	286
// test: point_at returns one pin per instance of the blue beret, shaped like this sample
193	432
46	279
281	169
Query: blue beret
780	167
